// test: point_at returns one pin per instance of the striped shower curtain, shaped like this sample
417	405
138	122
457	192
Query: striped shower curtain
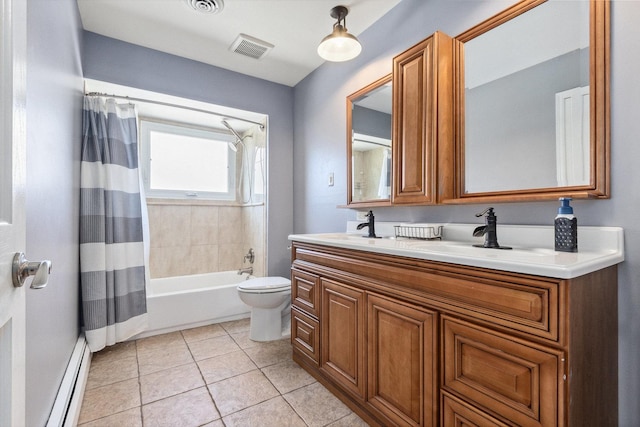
113	256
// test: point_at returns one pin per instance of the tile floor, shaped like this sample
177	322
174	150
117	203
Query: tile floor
212	376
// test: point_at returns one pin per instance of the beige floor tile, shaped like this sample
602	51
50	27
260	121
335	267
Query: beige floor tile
193	408
109	370
274	412
236	326
225	366
212	347
216	423
170	382
240	392
157	342
287	376
326	407
270	353
243	340
157	358
120	350
349	421
128	418
203	332
173	368
109	399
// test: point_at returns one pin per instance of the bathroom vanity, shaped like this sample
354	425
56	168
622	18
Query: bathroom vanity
439	333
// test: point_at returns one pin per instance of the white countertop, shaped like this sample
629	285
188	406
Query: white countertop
532	253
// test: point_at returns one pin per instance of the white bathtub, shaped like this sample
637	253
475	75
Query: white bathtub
183	302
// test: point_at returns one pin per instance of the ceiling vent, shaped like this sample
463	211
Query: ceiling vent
251	46
206	6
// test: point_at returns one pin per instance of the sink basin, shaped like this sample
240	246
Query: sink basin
467	249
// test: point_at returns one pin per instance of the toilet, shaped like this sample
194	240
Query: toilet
270	301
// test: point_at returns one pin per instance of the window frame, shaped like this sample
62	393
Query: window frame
183	129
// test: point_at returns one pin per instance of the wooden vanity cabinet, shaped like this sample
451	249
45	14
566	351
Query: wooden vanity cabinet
411	342
423	122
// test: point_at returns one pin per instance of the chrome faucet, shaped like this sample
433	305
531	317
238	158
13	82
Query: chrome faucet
370	224
489	230
247	270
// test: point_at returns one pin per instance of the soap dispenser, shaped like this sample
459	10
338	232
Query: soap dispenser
566	227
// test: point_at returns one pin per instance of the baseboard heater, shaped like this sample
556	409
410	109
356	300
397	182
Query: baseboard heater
66	408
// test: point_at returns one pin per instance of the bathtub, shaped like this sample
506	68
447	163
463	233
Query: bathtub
183	302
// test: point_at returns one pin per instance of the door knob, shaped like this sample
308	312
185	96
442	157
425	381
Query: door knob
22	268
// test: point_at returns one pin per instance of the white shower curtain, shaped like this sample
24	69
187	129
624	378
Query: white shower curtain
113	225
384	185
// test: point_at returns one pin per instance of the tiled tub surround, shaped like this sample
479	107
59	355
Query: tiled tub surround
193	238
209	376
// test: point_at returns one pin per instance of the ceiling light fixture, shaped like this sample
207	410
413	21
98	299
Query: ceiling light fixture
339	45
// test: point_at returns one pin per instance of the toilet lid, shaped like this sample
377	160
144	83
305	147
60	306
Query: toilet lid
265	284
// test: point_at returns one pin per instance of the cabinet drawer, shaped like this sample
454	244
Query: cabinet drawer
457	413
515	380
305	291
305	335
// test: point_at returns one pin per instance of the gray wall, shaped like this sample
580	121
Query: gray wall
54	103
320	149
122	63
371	122
505	138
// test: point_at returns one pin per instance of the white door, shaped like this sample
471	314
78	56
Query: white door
572	137
12	209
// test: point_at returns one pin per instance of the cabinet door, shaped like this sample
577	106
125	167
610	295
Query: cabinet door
423	121
402	367
516	380
342	332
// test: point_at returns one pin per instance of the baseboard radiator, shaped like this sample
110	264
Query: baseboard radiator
66	408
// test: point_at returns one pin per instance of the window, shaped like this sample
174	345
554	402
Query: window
183	162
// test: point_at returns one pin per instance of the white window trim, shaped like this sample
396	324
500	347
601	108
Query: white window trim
146	126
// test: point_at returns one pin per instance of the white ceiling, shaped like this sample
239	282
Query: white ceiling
295	27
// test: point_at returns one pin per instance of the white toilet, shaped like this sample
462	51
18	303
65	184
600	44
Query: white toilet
270	300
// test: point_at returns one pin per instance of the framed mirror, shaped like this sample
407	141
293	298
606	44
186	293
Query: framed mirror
532	99
369	121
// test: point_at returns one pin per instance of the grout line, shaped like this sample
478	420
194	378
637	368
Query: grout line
204	380
139	384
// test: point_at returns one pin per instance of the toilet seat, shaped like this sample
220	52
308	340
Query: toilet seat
261	285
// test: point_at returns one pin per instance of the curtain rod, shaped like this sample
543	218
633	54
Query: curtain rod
167	104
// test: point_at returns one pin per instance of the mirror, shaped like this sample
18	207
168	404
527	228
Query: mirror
533	102
369	144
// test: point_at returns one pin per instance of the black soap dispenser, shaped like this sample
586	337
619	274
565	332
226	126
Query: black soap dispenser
566	227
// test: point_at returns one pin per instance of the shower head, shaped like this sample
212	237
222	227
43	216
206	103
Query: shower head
233	146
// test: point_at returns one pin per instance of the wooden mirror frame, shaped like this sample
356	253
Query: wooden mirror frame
350	100
599	76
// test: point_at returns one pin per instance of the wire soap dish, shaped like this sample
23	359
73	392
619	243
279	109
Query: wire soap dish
414	231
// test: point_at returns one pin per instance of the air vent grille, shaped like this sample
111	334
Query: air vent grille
206	6
251	46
